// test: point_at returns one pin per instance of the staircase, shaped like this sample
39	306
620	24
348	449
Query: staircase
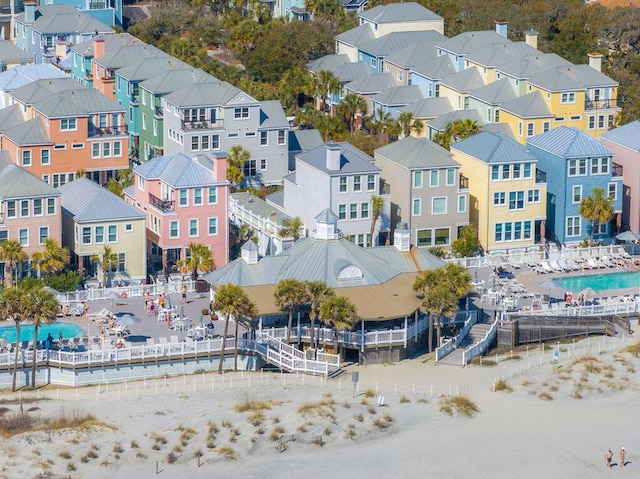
476	334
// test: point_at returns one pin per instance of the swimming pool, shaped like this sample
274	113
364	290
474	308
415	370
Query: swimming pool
68	330
601	282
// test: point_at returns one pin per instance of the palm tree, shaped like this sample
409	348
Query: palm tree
441	289
409	123
289	294
250	311
12	255
456	130
41	307
123	179
377	207
381	123
316	292
597	209
339	312
350	105
198	259
291	228
12	308
326	84
231	300
107	260
52	259
238	156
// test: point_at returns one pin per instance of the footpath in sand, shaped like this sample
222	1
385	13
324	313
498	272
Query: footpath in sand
557	421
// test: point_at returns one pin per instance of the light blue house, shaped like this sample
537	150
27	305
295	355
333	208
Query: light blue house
575	163
429	75
108	12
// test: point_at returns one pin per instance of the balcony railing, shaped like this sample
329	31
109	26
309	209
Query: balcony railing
541	176
202	125
600	104
464	182
109	131
158	112
97	5
617	169
162	205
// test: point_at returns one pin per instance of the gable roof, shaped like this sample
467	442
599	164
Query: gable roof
83	101
394	41
352	160
467	80
111	41
9	53
356	36
177	171
531	105
468	42
569	143
303	140
42	89
86	201
626	135
173	80
440	123
16	182
65	20
210	93
417	153
494	93
371	84
31	132
494	148
440	67
351	71
127	54
571	78
498	53
399	95
272	115
531	65
414	54
259	207
10	117
150	67
328	62
399	13
22	75
429	107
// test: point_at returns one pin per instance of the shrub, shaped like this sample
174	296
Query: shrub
458	404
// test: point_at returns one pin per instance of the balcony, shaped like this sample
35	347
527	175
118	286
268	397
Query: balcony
541	176
464	182
202	125
616	169
162	205
600	104
158	112
135	101
108	131
97	5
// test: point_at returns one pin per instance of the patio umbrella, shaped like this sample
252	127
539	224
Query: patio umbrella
627	236
127	320
588	293
550	284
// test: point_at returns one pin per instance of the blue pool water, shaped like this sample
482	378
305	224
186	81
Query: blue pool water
68	330
601	282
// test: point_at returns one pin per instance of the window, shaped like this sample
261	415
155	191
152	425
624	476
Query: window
4	236
592	122
213	226
575	118
530	129
519	128
249	169
442	236
241	113
51	206
213	195
600	122
37	207
23	236
498	232
451	177
99	234
68	124
215	142
182	198
371	182
45	157
577	167
195	143
357	183
282	138
353	211
613	191
516	200
417	179
600	228
559	119
516	171
506	172
499	198
342	212
77	146
60	147
43	234
533	196
569	97
343	184
462	203
95	150
141	183
399	75
86	235
26	157
374	63
106	149
417	207
264	138
433	178
439	206
193	227
527	170
144	120
424	238
599	166
113	233
497	116
577	194
197	196
573	226
495	172
122	262
546	126
173	229
24	208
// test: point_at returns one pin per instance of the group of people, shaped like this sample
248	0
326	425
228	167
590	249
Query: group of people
48	343
608	457
151	306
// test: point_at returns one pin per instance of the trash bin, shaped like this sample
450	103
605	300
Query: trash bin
202	286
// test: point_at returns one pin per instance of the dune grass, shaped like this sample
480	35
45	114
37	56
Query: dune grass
461	405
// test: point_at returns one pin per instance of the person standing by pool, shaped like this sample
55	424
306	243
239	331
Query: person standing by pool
607	457
48	342
623	453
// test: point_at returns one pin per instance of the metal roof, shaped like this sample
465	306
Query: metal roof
328	62
468	42
22	75
88	202
212	93
394	41
172	80
113	40
259	207
9	53
10	117
83	101
303	140
442	121
127	54
436	69
571	78
414	54
65	20
569	143
531	105
626	135
151	67
43	89
31	132
16	182
399	13
352	160
417	153
531	65
494	93
429	107
371	84
326	216
494	148
356	36
467	80
177	171
351	71
272	115
399	95
498	53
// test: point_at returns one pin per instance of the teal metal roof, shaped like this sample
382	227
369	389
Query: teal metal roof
417	153
569	143
493	148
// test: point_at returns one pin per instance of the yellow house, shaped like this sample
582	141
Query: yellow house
507	195
527	116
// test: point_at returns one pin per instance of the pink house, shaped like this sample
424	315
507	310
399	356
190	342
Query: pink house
186	201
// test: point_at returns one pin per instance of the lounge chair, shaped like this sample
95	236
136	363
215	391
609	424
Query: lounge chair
163	341
594	263
546	266
174	339
98	315
150	342
556	266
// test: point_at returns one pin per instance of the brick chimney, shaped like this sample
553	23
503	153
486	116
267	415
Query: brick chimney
595	61
531	38
99	47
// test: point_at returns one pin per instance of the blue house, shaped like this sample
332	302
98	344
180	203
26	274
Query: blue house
575	163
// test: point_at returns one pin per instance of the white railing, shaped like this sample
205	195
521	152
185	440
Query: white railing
481	346
445	349
129	291
619	307
452	343
291	359
471	320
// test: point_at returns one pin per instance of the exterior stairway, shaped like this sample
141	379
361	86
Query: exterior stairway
476	334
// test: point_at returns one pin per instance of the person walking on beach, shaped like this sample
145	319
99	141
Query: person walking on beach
623	452
607	457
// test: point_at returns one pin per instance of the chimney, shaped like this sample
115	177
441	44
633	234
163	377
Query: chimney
333	156
99	47
220	165
501	27
402	237
29	12
61	49
531	38
595	61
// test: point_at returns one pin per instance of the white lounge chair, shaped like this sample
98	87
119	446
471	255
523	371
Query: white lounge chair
150	342
163	341
174	339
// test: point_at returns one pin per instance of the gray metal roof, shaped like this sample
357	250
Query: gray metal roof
436	69
173	80
399	95
88	202
501	128
212	93
328	62
571	78
356	36
272	115
468	42
303	140
276	198
352	160
127	54
531	65
326	217
626	135
83	101
259	207
178	171
9	53
21	75
399	13
10	117
498	53
394	41
351	71
406	261
417	153
151	67
440	123
414	54
113	40
42	89
467	80
494	93
531	105
371	84
16	182
429	107
31	132
494	148
68	20
249	246
569	143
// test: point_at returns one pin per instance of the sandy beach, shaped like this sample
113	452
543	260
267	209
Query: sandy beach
558	421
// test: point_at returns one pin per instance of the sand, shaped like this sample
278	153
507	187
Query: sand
520	434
